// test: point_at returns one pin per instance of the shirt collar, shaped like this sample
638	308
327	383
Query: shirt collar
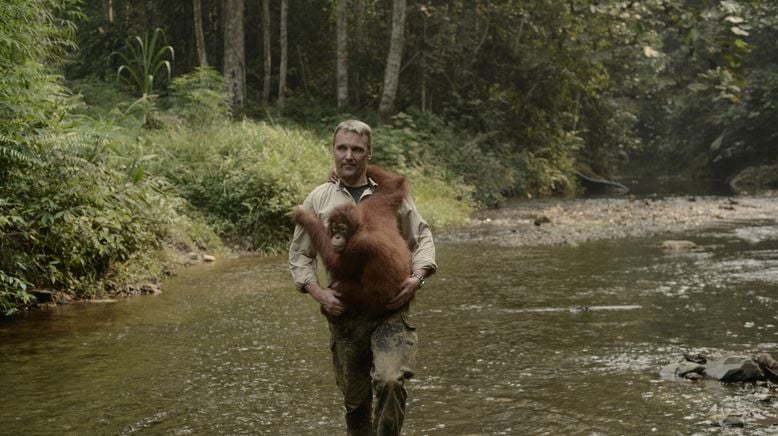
370	182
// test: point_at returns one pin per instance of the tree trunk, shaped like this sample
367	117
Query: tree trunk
266	49
423	65
303	70
198	28
393	61
342	58
284	55
108	11
359	45
234	56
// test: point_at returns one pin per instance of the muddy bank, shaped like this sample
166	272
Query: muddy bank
571	222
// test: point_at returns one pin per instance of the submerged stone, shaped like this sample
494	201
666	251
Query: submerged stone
731	422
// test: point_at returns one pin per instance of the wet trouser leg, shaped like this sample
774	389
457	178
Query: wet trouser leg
373	356
351	361
394	360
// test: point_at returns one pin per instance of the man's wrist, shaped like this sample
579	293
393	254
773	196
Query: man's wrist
420	276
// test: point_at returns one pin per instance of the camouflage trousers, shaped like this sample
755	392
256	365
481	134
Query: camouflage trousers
373	358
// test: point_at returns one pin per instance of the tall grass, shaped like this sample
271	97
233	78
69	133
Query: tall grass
244	177
441	197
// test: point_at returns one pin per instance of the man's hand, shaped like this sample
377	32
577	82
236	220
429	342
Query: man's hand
409	287
333	178
329	299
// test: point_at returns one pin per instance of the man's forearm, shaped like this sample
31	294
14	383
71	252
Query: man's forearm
313	289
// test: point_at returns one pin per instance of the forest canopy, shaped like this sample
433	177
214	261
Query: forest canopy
538	88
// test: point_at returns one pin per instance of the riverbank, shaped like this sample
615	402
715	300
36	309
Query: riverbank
575	221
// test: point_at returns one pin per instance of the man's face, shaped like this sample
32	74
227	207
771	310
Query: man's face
351	154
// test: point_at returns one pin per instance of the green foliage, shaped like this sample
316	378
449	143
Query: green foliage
31	97
712	109
442	198
399	144
508	77
198	98
35	30
481	160
142	61
145	109
547	172
243	177
69	222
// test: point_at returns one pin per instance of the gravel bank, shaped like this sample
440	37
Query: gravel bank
571	222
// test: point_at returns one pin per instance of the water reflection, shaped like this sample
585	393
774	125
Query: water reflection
563	340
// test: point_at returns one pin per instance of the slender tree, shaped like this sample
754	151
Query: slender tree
393	61
359	45
267	65
108	11
342	57
234	56
198	30
284	55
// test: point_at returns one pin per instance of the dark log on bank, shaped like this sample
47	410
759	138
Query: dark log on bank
600	186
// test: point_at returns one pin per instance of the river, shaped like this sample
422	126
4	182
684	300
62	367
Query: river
513	340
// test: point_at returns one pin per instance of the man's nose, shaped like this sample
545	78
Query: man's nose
349	155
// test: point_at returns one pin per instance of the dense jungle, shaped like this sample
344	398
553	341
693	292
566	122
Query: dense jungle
134	131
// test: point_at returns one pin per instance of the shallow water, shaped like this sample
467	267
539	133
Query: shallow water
556	340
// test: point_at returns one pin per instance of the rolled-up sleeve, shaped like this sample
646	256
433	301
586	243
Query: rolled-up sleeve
418	236
302	256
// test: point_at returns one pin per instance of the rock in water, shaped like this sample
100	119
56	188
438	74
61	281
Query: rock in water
681	370
755	179
150	288
734	369
541	219
768	365
679	245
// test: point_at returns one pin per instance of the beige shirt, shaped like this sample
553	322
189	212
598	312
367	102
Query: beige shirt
323	199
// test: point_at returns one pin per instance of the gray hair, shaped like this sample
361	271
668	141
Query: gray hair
357	127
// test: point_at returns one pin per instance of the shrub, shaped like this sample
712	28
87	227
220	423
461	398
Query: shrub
425	140
549	170
199	98
441	197
67	221
243	177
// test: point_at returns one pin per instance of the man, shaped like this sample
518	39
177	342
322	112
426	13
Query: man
370	355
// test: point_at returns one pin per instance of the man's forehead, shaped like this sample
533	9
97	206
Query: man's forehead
351	139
